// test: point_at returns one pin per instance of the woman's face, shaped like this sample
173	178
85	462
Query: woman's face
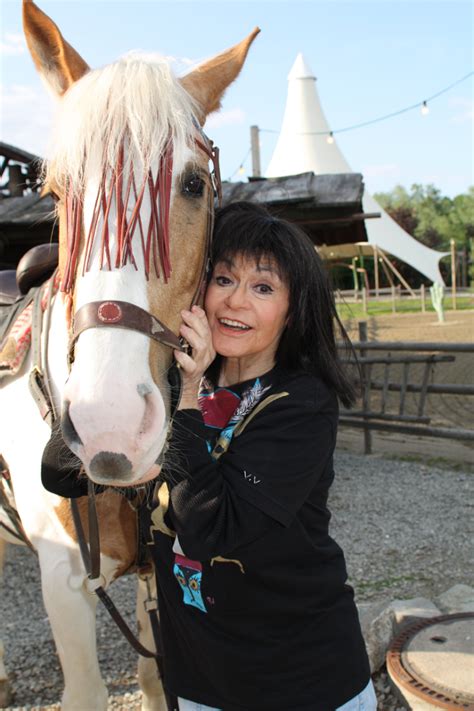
247	309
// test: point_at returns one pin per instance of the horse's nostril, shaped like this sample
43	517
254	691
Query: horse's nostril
143	389
110	465
70	435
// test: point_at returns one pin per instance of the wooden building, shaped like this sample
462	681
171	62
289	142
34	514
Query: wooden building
327	207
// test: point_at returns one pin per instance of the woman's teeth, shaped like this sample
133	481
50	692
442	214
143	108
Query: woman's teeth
234	324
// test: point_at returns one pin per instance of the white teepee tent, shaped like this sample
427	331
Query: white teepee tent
300	149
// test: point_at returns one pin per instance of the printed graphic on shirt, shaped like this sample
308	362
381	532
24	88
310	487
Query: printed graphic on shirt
224	409
188	573
218	406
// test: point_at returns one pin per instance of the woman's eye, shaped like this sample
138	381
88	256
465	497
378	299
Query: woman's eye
193	185
222	280
54	195
264	289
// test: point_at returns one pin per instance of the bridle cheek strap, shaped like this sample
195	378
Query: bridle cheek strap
121	314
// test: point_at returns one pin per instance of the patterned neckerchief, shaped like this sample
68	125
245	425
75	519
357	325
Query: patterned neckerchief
224	408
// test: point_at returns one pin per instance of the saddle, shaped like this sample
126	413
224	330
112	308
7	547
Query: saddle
33	268
17	291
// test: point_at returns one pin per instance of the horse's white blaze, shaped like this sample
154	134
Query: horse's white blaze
114	403
135	106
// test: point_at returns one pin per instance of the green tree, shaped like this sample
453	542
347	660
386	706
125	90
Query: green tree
431	217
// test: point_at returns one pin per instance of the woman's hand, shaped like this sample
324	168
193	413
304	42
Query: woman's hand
195	329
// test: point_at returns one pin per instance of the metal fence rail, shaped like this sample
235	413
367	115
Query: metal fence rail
390	413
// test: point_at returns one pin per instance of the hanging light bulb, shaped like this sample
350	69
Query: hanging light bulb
330	138
424	109
241	170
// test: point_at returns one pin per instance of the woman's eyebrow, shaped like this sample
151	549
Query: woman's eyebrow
268	268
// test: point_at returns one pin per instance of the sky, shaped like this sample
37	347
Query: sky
370	59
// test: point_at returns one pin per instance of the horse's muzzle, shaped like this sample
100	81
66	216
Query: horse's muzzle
69	432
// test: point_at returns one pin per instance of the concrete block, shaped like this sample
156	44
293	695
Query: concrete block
459	598
382	621
377	629
405	612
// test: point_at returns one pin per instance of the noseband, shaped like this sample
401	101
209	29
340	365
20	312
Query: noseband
122	314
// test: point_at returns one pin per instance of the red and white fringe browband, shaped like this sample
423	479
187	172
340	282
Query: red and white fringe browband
154	237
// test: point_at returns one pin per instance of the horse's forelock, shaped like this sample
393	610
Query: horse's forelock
137	97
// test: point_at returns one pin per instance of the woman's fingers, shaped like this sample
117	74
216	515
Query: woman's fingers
195	329
190	334
197	319
186	362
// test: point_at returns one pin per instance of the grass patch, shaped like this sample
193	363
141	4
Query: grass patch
382	308
371	586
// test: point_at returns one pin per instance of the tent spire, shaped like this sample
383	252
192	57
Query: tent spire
302	147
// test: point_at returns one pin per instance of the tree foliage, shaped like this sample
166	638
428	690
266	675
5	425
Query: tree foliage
431	217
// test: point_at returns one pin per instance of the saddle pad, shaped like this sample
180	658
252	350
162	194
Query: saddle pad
16	340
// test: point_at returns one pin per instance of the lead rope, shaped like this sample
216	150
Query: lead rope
94	585
41	391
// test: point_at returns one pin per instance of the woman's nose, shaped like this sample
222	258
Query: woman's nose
237	297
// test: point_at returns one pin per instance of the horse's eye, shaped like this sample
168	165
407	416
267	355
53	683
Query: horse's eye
193	185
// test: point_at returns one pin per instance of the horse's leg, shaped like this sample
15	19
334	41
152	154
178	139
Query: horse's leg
153	698
5	690
71	612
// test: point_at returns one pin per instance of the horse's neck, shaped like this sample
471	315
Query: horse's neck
57	347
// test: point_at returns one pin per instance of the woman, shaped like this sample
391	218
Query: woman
254	609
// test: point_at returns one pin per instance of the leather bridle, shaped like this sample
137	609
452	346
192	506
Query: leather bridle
113	313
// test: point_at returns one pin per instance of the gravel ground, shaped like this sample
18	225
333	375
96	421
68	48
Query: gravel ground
404	529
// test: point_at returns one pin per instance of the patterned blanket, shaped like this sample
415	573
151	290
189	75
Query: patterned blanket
16	341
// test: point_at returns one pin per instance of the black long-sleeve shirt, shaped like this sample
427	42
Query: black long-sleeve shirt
255	612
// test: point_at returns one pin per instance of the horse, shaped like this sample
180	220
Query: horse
129	170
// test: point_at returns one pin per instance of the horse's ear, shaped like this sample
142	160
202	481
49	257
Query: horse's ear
57	62
208	82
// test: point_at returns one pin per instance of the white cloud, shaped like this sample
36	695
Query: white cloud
182	64
464	109
231	117
382	169
12	45
27	116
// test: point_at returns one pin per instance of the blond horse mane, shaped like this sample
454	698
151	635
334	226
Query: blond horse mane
137	97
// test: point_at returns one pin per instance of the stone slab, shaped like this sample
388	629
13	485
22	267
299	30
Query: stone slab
405	612
459	598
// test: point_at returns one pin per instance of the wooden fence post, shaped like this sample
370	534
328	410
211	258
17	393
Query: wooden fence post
366	390
423	299
376	271
394	296
364	299
453	274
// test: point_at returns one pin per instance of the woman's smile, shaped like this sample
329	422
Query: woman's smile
228	325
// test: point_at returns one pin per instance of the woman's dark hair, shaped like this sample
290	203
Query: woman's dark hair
308	342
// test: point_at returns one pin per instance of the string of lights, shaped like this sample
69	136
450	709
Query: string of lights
240	169
419	104
422	105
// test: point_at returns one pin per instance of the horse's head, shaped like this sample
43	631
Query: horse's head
130	167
